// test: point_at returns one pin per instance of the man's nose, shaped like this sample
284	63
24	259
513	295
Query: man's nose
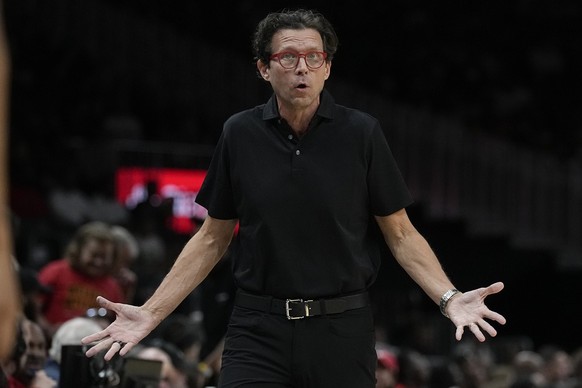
301	65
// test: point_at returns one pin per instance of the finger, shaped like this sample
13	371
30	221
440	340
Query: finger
113	349
492	315
487	327
97	348
494	288
476	332
106	303
126	348
95	337
459	332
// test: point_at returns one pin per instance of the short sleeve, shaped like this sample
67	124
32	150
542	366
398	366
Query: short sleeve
387	189
216	193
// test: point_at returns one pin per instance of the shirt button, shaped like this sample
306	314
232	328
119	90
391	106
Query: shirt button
297	152
290	137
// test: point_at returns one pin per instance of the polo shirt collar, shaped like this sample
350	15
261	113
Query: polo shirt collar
325	109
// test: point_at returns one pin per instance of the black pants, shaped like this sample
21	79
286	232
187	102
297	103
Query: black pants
264	350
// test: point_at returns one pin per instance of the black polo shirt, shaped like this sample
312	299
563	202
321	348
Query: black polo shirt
305	205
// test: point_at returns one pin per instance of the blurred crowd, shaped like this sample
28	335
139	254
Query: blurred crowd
477	366
125	258
71	247
59	305
184	351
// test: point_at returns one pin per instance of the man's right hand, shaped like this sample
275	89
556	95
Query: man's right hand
131	325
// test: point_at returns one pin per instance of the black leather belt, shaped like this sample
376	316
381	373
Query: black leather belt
301	308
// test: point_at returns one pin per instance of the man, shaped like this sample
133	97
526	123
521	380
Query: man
173	374
308	181
69	333
26	366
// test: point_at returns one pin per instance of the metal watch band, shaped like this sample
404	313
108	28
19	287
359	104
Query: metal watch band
445	300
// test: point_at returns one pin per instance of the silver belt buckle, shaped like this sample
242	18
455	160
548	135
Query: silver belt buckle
288	308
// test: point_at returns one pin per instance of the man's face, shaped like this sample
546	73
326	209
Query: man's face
96	258
170	377
296	88
34	357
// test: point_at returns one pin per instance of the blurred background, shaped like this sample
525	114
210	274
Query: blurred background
480	102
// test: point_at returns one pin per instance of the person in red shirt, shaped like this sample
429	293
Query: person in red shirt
387	369
78	278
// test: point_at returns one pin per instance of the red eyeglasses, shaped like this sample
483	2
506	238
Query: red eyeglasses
290	59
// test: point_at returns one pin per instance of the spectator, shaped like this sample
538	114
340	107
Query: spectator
32	292
25	368
187	336
527	367
82	275
475	363
387	369
69	333
557	367
173	366
415	369
182	332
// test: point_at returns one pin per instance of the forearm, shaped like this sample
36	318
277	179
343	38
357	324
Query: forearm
414	254
417	258
9	294
193	264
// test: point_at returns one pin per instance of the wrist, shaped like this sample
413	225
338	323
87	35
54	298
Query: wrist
445	299
156	313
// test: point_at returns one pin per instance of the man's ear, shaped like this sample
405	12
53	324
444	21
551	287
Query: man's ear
327	69
263	70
